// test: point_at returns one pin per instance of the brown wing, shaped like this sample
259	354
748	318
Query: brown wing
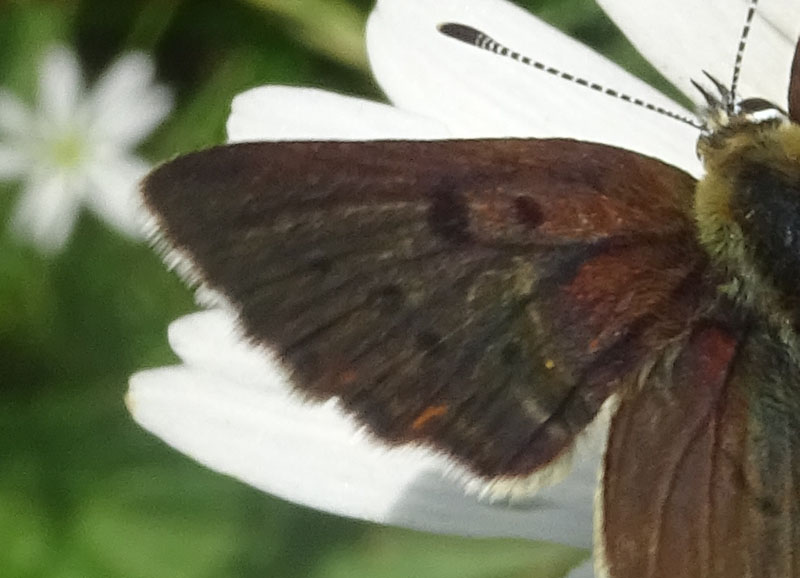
701	479
483	297
794	86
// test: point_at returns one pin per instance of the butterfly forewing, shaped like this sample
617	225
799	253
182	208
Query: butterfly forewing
483	297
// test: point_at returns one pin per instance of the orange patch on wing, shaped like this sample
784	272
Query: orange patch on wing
429	413
347	377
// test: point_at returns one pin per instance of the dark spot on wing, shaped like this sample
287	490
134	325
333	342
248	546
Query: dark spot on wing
429	342
389	297
510	354
309	365
448	215
769	506
321	265
528	212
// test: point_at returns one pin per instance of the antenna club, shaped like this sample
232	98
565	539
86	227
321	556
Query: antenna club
460	32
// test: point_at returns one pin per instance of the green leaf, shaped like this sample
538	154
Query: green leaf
392	553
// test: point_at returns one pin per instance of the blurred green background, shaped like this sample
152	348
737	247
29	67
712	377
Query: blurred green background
83	491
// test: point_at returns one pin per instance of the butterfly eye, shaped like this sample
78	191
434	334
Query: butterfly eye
758	110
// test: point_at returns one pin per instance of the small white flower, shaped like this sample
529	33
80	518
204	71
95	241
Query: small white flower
74	147
229	406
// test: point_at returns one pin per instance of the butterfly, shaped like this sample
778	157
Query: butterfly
489	298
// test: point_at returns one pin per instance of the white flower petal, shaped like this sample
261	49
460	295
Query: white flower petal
60	86
125	104
46	212
125	77
15	118
477	93
13	162
682	38
113	186
311	454
288	113
210	340
127	124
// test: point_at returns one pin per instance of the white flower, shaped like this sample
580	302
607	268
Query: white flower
228	406
74	147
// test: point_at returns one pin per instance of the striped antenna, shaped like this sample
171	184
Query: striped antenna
474	37
737	66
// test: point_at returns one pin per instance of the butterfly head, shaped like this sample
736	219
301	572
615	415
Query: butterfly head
725	117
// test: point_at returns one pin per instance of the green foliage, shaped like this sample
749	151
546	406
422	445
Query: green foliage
83	491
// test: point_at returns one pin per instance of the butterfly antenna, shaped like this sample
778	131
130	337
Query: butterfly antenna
737	66
475	37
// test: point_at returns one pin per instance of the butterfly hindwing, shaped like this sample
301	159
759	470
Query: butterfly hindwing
484	297
794	86
703	465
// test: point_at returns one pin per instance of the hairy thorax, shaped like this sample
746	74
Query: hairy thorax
748	216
